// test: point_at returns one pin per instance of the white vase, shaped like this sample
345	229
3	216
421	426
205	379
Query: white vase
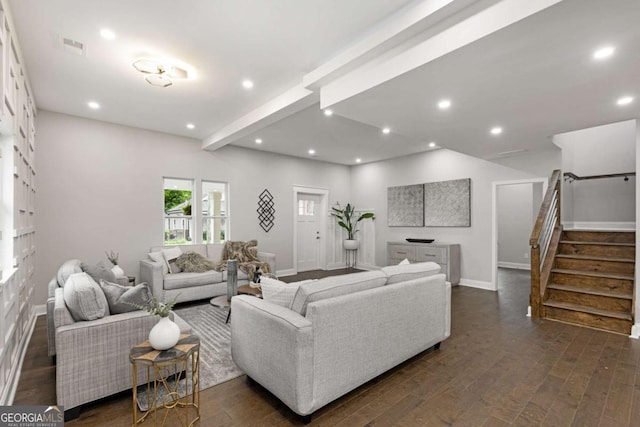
351	245
164	335
117	271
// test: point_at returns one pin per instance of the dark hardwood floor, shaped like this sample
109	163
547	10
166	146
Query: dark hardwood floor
497	368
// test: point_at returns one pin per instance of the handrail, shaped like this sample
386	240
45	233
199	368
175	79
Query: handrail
544	241
570	176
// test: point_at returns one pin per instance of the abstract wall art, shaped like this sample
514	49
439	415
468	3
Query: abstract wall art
405	206
447	203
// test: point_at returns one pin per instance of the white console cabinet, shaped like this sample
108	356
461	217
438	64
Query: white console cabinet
445	254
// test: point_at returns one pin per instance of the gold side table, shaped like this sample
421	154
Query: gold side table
165	369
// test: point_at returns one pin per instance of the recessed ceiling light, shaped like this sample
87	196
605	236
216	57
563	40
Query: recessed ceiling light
312	152
328	112
496	130
247	84
93	105
625	100
604	52
107	34
432	144
258	141
444	104
191	126
358	160
386	130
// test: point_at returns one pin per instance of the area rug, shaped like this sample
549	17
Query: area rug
216	365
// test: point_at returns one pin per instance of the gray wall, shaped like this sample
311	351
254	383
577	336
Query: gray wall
600	150
99	187
515	222
540	163
369	191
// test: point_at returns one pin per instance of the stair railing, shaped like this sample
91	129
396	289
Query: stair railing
544	242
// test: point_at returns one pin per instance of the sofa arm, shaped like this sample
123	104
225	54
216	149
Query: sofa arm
151	273
274	346
61	314
270	259
93	356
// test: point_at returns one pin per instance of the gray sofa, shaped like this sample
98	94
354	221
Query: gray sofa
340	332
66	269
193	286
92	358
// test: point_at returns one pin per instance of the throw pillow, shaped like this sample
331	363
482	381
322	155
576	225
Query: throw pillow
404	262
278	292
121	297
159	257
170	257
67	269
98	272
84	298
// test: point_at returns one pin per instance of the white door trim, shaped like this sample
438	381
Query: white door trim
494	219
322	224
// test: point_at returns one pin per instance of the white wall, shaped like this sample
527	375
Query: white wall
100	188
369	191
540	163
600	150
515	222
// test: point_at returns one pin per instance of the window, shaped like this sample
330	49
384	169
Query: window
178	222
306	207
214	212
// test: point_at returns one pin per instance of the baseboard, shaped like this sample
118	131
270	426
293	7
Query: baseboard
287	272
635	331
600	225
516	265
41	309
336	265
488	286
11	386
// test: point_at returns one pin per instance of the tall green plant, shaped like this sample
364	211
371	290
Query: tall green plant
347	220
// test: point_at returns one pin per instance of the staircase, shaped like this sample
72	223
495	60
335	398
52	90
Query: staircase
592	279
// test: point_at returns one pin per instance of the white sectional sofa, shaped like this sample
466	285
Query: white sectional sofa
192	286
340	332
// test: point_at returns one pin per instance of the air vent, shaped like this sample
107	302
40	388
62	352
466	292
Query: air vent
73	46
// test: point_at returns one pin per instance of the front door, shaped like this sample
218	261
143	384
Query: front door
308	223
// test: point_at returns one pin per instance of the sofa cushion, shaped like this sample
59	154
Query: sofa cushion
158	256
186	280
98	272
334	286
67	269
214	252
402	273
171	256
84	298
278	292
121	297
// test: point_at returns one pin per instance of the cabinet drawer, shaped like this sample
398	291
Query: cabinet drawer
401	252
438	255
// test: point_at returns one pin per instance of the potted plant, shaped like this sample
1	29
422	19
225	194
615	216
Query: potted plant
165	334
113	259
347	219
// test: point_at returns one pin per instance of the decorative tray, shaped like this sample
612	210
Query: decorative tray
420	240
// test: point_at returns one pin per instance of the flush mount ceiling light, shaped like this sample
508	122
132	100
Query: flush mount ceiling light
247	84
496	130
258	141
358	160
191	126
328	112
93	105
444	104
312	152
386	130
160	72
432	144
107	34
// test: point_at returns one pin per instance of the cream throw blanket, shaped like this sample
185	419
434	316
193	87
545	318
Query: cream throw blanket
247	255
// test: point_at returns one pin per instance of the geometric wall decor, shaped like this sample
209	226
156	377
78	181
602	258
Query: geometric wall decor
266	210
405	206
447	203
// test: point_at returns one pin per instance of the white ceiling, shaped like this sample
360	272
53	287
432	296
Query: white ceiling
522	64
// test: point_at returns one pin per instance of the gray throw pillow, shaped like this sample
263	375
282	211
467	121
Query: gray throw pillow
67	269
84	298
98	272
121	297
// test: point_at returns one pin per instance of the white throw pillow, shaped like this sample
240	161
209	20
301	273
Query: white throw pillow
159	257
84	298
170	257
404	262
278	292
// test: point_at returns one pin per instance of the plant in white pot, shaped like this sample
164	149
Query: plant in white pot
349	219
166	333
113	259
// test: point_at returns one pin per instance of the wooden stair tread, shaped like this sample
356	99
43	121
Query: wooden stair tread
595	258
586	309
591	291
578	242
594	274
